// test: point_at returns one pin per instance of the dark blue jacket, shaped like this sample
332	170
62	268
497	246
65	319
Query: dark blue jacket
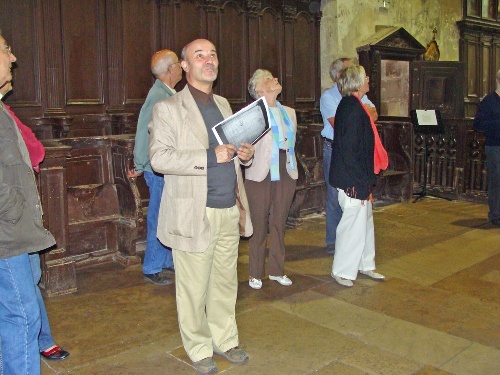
352	151
488	119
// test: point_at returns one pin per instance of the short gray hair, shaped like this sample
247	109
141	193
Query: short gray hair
254	81
161	61
336	67
351	79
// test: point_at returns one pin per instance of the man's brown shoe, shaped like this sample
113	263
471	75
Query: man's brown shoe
235	355
158	279
206	366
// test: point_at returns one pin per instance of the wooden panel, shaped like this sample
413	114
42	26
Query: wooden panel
232	53
486	82
26	72
439	85
84	58
270	43
186	13
303	61
88	57
140	24
472	71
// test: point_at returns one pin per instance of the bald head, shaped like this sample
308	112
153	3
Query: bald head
164	67
200	62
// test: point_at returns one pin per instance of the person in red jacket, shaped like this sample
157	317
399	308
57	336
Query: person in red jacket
47	347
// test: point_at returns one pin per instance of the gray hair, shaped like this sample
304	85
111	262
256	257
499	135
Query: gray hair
351	79
161	61
336	67
255	80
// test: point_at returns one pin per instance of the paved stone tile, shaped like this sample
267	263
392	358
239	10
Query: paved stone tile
285	343
337	368
373	360
476	359
417	343
334	314
404	269
150	359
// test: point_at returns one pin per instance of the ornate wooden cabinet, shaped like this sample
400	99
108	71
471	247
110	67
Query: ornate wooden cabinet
387	57
399	82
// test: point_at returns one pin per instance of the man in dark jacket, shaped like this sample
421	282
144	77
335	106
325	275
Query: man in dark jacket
488	120
21	233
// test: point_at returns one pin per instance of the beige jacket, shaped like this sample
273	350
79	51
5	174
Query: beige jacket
262	157
177	147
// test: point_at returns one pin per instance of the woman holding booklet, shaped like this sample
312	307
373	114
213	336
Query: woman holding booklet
270	182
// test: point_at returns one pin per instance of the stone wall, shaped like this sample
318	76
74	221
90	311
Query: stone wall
345	26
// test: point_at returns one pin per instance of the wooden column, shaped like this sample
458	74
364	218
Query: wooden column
289	17
59	274
54	76
116	84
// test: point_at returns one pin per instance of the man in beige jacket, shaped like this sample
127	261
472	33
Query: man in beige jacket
203	201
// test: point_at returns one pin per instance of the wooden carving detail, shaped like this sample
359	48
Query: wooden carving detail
211	5
289	13
254	7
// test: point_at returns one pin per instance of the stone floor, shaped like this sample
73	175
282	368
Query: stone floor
437	313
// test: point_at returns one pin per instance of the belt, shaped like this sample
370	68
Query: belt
328	140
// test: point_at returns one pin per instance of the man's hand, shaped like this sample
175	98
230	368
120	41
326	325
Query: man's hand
224	153
246	151
133	174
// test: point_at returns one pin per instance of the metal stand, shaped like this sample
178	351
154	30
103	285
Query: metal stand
423	193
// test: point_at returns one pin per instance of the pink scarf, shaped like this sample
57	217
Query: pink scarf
34	146
380	158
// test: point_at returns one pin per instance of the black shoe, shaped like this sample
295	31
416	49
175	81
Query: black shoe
170	270
158	279
55	354
330	248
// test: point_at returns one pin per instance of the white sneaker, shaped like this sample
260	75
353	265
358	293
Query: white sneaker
343	282
373	275
255	283
283	280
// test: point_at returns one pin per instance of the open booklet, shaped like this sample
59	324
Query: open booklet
247	125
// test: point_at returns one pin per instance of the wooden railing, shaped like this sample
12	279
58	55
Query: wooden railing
97	213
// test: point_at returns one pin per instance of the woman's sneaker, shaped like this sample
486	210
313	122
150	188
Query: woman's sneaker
283	280
255	283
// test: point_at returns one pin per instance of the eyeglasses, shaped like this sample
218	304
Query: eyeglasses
7	49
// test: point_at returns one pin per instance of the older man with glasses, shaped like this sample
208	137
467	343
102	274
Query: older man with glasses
21	233
165	66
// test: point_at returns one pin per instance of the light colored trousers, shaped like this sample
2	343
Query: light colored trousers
355	243
206	288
